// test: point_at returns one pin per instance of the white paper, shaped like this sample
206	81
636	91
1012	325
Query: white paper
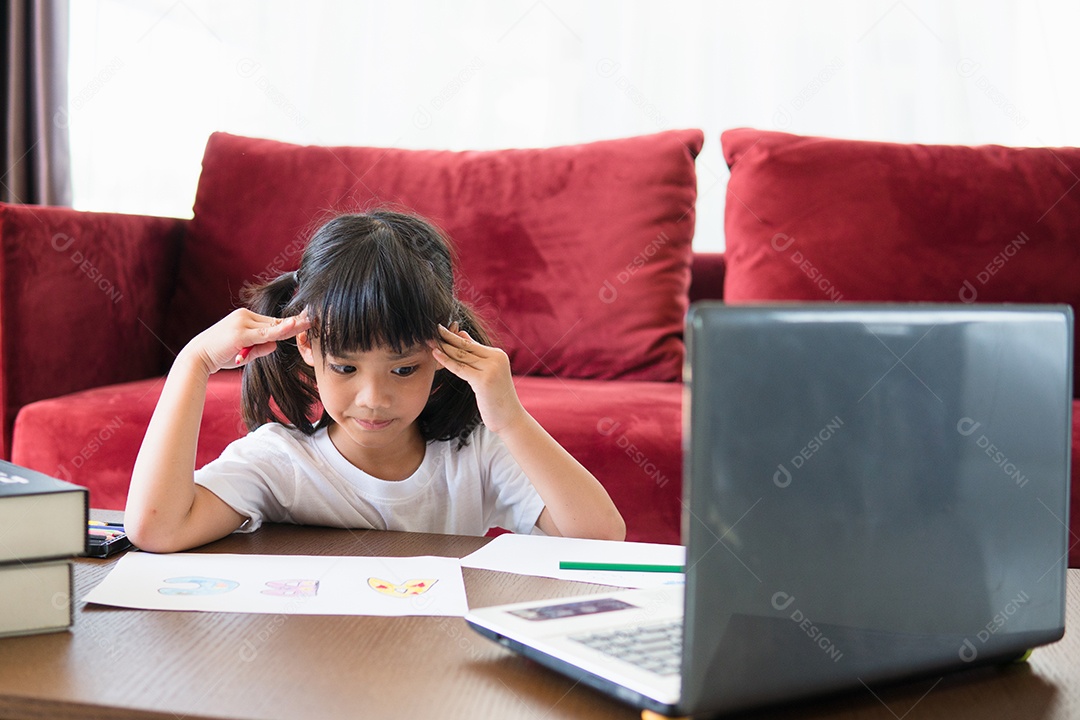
539	555
285	584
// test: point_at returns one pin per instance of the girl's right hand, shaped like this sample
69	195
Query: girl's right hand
223	344
166	510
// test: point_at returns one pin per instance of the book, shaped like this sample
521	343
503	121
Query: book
36	597
41	517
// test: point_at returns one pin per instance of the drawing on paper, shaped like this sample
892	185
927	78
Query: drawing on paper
202	586
292	588
285	584
405	589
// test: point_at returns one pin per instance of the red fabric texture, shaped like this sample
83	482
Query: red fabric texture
625	432
628	435
82	301
818	219
707	277
92	437
577	256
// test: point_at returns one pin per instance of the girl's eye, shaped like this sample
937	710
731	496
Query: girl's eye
405	371
343	369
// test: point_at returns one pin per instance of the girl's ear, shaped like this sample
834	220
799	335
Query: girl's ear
303	344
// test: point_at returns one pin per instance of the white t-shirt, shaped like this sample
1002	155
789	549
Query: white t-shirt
278	474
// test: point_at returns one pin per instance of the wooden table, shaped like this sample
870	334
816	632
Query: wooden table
119	663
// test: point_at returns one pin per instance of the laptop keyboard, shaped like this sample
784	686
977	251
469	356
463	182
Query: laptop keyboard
655	648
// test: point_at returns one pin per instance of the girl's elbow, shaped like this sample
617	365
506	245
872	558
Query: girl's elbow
146	539
612	527
136	528
616	529
149	536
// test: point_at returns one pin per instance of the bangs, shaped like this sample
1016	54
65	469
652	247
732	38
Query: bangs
376	294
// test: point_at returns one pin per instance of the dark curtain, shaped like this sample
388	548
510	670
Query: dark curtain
36	159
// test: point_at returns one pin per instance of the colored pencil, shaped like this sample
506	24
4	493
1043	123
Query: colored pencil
619	567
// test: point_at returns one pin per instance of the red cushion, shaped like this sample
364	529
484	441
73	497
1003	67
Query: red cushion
810	218
92	437
629	435
578	256
626	433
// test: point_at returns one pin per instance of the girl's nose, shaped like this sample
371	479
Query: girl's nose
373	394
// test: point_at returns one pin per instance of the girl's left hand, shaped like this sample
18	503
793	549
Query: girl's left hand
487	370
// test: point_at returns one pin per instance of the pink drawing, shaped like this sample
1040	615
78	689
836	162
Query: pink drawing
292	588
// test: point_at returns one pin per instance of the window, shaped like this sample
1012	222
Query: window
151	80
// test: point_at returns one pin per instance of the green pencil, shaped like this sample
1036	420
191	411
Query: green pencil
619	567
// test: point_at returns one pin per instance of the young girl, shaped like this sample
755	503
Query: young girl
374	401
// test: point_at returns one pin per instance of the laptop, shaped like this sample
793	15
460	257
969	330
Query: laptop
871	493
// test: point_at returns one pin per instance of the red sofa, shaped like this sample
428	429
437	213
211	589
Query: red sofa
579	257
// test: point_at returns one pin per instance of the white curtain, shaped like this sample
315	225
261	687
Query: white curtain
151	80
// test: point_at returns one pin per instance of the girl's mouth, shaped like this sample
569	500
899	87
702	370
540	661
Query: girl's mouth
373	424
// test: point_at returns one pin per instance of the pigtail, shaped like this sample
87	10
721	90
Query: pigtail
279	387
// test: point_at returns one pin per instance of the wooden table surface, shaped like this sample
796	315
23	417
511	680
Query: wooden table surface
120	663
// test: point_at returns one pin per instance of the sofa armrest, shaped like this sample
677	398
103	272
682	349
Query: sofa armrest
707	276
82	301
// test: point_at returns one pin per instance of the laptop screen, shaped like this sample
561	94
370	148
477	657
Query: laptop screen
871	490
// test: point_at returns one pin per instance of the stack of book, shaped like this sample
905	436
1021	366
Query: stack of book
42	526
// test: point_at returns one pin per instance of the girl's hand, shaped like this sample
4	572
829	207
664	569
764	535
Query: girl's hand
487	370
575	503
241	336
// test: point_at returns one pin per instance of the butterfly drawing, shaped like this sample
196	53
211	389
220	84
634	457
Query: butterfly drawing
405	589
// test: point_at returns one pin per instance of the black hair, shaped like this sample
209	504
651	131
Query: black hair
377	279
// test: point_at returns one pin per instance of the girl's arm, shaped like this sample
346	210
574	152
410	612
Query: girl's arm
166	511
576	504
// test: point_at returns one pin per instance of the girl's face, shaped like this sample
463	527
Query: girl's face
374	398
